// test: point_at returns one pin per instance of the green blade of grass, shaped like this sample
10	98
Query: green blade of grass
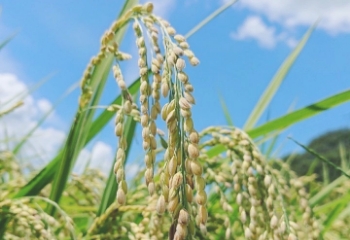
323	159
11	108
311	169
343	154
3	221
264	143
210	18
104	118
275	137
216	150
40	180
329	205
289	119
83	120
19	98
40	122
22	95
332	216
275	83
344	213
320	195
101	121
226	112
271	146
267	137
70	151
78	133
109	193
45	176
6	41
325	174
301	114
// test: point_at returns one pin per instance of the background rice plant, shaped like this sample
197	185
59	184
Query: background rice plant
53	203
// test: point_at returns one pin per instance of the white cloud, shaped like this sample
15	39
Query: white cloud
45	141
131	169
102	157
44	105
290	14
334	14
291	42
7	62
83	158
254	28
11	88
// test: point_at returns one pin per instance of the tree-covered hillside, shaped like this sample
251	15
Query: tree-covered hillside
328	145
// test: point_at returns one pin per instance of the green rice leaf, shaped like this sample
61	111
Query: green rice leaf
332	216
226	112
323	159
110	191
301	114
22	95
289	119
83	120
101	121
210	18
6	41
320	195
163	142
41	121
45	176
276	82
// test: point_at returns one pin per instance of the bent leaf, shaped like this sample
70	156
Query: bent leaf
276	82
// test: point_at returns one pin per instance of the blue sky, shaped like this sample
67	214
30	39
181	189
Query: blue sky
239	52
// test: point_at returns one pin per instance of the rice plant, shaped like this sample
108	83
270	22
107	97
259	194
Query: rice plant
208	184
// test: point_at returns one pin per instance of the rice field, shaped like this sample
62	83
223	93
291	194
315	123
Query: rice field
213	183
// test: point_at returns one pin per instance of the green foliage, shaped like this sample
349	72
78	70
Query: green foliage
248	197
326	145
276	81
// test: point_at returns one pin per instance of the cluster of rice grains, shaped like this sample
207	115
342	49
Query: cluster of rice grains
163	74
11	176
90	184
265	197
27	220
241	178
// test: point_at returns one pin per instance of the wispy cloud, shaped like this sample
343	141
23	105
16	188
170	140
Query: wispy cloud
254	28
8	63
45	142
102	156
288	15
334	15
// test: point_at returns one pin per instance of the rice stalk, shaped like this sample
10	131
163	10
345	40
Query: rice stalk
193	188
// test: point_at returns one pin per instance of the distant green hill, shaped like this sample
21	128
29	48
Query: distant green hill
326	145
